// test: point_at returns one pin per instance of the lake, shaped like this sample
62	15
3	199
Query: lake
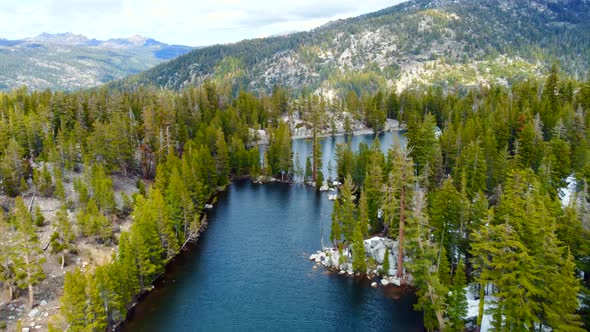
250	270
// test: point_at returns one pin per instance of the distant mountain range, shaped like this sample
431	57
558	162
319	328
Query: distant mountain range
445	43
67	61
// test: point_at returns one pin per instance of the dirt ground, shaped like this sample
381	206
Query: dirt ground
89	254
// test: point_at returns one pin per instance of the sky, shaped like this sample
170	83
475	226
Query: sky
183	22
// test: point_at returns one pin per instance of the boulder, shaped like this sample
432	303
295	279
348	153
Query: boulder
395	281
313	257
34	313
324	187
379	252
384	282
375	241
43	303
25	329
374	284
367	245
389	243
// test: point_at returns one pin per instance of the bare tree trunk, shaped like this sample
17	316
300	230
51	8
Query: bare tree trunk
31	291
63	260
402	219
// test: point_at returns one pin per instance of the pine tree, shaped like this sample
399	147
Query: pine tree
59	191
39	219
457	300
562	303
7	275
129	275
373	187
347	209
145	241
102	189
386	265
319	180
336	230
96	315
401	184
63	235
73	301
359	263
180	205
222	159
27	263
363	214
430	290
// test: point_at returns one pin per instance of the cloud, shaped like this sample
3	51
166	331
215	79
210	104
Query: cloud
185	22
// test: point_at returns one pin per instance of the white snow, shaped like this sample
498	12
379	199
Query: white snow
473	309
566	193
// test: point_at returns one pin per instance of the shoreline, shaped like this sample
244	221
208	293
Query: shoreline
390	126
159	281
184	250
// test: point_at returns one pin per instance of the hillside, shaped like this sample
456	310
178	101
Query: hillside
439	42
68	61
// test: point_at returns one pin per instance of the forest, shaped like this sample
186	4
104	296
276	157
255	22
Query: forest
476	202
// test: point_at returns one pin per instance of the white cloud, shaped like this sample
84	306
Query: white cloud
187	22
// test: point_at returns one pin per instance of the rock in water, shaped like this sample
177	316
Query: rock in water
374	284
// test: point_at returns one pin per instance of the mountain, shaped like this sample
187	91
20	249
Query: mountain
446	43
67	61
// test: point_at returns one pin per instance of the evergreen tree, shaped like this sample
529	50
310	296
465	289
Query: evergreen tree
401	184
562	305
63	235
96	314
27	261
347	209
145	241
7	275
386	265
222	159
359	263
457	300
73	301
180	205
336	229
430	290
363	218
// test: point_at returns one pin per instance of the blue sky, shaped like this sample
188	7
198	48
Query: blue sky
186	22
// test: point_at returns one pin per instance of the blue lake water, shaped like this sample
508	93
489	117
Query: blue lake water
250	269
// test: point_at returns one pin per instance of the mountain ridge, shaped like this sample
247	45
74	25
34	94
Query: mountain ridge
68	61
441	42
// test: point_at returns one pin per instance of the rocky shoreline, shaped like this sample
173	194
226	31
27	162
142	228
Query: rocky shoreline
375	249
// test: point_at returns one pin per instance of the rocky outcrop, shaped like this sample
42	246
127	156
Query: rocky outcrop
375	248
